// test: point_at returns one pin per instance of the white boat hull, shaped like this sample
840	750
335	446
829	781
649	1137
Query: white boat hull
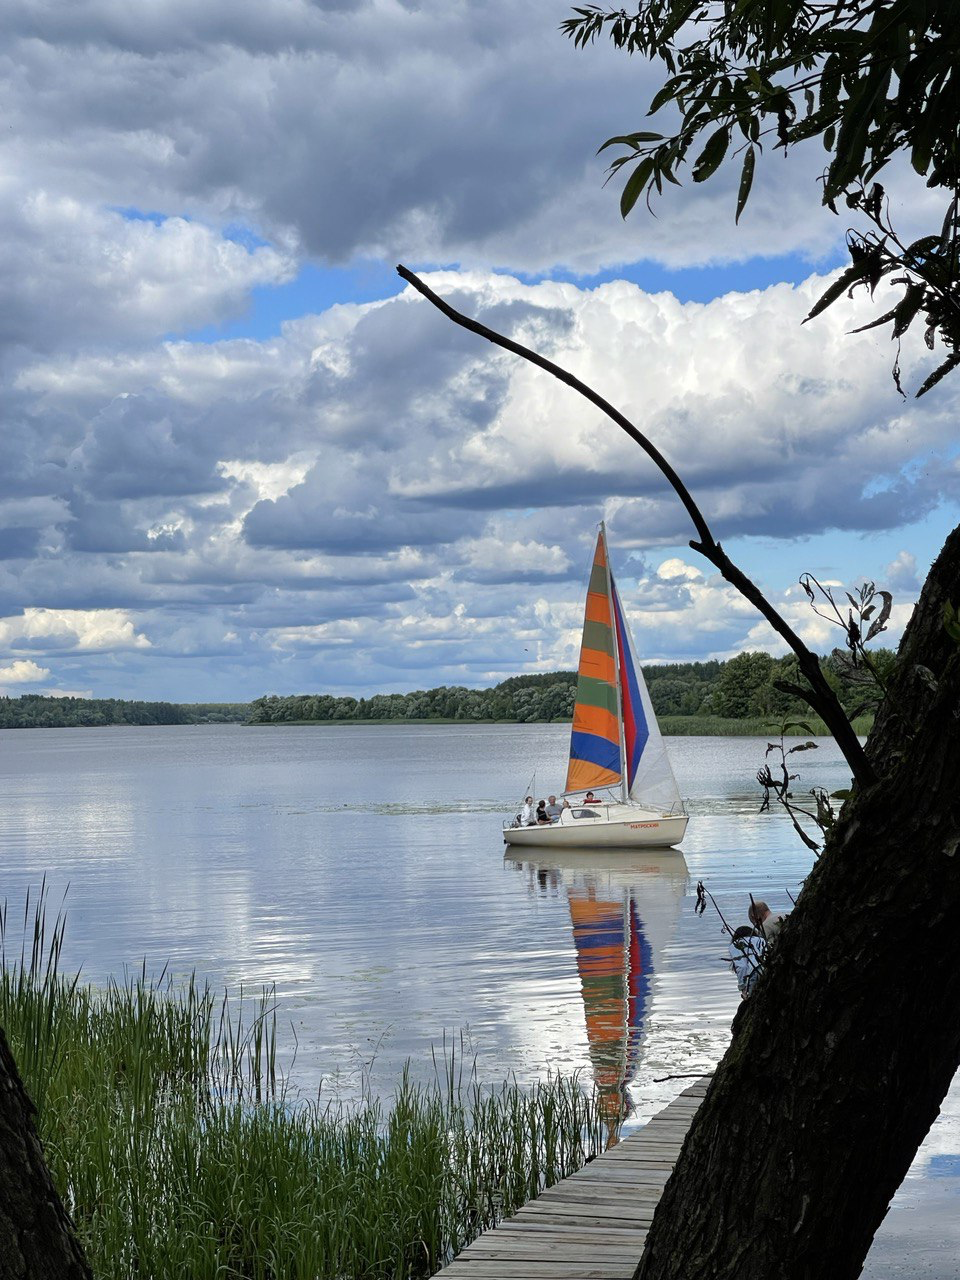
632	829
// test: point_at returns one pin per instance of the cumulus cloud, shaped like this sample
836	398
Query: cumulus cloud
371	497
23	671
375	498
444	133
70	629
901	573
74	273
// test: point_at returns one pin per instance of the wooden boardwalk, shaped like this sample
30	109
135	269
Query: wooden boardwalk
590	1226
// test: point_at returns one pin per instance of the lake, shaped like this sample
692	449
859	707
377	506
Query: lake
360	870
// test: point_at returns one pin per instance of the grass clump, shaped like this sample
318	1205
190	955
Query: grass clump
178	1149
758	727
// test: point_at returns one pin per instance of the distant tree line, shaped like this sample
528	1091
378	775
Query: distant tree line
33	711
741	688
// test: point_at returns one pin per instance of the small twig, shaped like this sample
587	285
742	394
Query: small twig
702	894
685	1075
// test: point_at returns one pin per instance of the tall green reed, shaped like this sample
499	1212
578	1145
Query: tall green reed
181	1152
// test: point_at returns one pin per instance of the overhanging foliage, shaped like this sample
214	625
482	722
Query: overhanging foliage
872	79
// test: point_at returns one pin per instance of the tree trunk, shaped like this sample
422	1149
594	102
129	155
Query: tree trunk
37	1241
841	1057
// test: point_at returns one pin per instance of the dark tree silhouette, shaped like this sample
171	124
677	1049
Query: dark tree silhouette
37	1241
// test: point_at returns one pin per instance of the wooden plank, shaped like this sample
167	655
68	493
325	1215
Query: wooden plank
593	1235
623	1179
592	1225
545	1269
603	1195
533	1250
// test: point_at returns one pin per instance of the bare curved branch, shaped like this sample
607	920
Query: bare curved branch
820	696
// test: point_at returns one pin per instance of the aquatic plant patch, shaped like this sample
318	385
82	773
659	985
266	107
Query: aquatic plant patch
180	1150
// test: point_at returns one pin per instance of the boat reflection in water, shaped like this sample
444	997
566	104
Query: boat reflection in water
624	909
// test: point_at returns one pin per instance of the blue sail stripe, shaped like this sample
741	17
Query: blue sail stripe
636	729
595	750
593	937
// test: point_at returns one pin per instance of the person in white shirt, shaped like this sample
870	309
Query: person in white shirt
745	953
528	814
762	918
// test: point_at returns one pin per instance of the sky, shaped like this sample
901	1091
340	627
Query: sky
239	457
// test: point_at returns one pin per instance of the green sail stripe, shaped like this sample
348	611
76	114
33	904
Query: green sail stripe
597	693
597	635
598	580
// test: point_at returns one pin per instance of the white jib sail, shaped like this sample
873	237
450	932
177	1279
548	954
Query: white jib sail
653	784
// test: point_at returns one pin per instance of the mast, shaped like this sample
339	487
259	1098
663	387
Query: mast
616	662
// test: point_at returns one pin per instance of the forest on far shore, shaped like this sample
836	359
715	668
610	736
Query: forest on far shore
739	695
36	711
741	689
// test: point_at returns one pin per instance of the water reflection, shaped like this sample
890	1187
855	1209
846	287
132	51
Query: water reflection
360	869
623	913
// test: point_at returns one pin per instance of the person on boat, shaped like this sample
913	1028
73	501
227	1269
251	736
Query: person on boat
745	953
762	918
554	810
590	798
526	816
542	817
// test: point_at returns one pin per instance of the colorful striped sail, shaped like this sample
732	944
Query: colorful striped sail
595	739
615	735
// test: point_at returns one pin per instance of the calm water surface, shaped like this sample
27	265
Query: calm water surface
361	870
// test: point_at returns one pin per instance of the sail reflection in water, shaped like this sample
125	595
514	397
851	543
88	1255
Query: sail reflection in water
624	910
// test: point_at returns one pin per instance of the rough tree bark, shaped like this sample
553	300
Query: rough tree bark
841	1057
37	1241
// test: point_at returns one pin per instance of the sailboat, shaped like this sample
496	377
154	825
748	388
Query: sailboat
615	743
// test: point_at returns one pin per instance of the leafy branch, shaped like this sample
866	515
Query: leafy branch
872	79
865	619
777	786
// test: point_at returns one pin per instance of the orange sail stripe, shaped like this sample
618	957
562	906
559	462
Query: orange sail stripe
582	775
595	720
597	930
600	555
597	665
598	608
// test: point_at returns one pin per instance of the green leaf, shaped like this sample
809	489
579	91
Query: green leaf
872	324
635	185
755	78
746	180
665	95
712	154
941	371
907	309
858	116
630	140
922	248
951	622
848	278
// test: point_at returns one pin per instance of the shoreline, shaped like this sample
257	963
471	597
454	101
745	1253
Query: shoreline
670	726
